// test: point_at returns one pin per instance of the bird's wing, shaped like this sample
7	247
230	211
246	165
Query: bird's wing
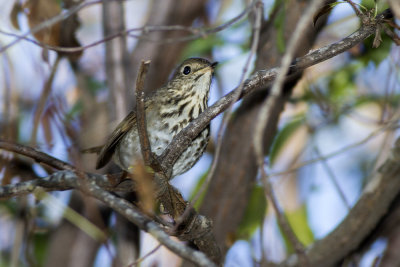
122	129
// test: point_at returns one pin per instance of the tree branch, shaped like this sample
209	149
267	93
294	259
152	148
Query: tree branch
183	139
258	80
38	156
362	218
48	23
59	181
137	33
145	146
92	185
189	225
132	214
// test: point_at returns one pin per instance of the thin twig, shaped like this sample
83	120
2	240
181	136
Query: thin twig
38	156
258	8
134	215
168	197
282	220
141	113
264	116
333	178
372	205
276	90
145	256
49	22
337	152
43	99
259	80
142	31
356	10
86	184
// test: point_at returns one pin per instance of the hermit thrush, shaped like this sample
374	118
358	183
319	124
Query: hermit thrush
168	110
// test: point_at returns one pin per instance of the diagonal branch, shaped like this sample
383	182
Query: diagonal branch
183	139
264	116
48	23
38	156
131	213
362	218
137	33
259	80
65	180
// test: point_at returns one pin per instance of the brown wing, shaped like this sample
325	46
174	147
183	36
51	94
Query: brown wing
108	149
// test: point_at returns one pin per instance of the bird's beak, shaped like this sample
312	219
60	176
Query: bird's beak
208	68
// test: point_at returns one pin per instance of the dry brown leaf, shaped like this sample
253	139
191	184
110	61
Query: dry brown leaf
59	34
377	39
16	9
39	11
145	187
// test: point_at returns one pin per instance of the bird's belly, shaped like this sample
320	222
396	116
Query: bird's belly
129	150
192	154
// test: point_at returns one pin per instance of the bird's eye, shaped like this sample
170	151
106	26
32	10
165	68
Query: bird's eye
186	70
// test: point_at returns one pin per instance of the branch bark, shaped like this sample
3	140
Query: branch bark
363	217
259	80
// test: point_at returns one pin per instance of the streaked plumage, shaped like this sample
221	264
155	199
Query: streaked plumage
168	111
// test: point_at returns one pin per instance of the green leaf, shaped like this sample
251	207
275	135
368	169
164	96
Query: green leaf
279	24
254	214
75	110
370	4
299	223
197	189
376	55
94	85
41	243
202	46
341	84
391	101
283	135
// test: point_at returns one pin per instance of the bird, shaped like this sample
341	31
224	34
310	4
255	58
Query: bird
168	110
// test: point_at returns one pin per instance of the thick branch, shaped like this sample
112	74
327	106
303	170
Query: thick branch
91	184
257	81
363	217
132	214
60	181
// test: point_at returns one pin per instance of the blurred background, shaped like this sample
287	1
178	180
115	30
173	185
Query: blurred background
331	137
